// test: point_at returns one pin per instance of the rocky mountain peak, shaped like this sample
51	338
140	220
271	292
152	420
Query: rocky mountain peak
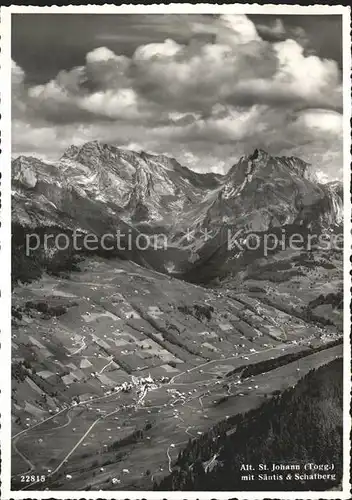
23	171
28	170
335	187
71	152
155	190
258	154
89	152
263	164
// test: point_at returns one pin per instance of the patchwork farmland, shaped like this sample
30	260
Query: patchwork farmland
116	368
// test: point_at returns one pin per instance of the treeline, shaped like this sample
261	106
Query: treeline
271	364
198	311
28	265
302	425
306	313
20	370
335	299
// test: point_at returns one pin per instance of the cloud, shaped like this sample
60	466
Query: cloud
236	30
206	103
274	29
17	75
320	120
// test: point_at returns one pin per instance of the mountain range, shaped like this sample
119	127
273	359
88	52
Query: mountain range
98	188
123	359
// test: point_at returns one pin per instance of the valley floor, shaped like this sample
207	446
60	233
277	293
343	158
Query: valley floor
117	367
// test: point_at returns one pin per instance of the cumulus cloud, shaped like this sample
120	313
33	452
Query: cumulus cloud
206	103
236	30
17	75
275	29
320	120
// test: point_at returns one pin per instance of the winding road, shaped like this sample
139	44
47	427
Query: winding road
79	442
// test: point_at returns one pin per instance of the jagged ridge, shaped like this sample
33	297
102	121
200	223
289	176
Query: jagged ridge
100	188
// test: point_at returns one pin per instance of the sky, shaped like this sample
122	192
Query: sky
204	89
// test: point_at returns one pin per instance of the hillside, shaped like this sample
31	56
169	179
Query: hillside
301	426
99	189
121	356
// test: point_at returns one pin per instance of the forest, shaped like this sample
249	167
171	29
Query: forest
299	426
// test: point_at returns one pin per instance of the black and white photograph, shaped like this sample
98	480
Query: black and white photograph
180	241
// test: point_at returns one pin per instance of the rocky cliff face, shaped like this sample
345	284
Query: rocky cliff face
153	189
99	188
334	202
262	191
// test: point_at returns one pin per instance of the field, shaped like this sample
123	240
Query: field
116	368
